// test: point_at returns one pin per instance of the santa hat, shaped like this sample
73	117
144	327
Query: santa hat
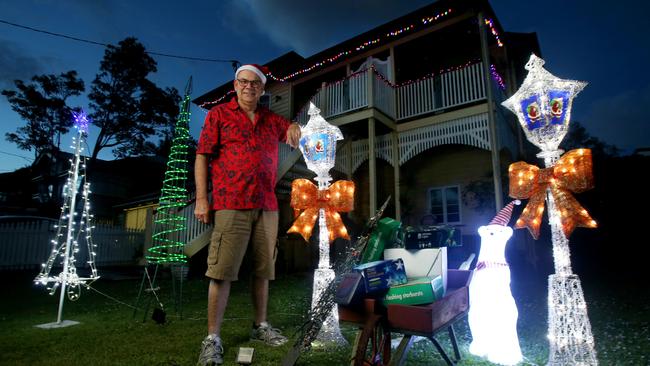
503	217
257	69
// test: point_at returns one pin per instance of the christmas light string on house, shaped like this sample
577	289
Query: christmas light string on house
70	230
436	17
361	47
216	101
490	23
330	60
495	76
169	226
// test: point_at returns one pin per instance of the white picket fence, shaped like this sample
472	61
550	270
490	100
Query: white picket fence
26	244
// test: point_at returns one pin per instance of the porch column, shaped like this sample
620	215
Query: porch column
348	158
370	90
494	143
395	147
372	168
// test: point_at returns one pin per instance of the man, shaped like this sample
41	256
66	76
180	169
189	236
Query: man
239	141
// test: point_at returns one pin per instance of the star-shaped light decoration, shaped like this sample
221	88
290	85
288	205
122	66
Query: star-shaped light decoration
543	105
81	120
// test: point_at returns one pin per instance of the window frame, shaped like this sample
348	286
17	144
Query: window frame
445	205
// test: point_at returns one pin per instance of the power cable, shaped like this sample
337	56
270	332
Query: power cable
20	156
234	63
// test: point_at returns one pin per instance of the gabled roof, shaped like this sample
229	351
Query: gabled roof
414	18
278	66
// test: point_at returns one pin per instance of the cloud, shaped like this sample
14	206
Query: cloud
309	27
621	119
15	63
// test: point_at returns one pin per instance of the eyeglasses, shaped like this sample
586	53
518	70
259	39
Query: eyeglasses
253	83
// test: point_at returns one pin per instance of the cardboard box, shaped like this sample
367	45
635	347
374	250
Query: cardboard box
417	291
380	275
434	236
382	237
422	263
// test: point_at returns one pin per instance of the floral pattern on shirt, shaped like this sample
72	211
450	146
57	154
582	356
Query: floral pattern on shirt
244	156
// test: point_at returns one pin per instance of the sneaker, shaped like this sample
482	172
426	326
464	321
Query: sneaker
268	335
211	351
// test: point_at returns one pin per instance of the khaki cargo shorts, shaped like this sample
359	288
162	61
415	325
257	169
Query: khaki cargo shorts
232	233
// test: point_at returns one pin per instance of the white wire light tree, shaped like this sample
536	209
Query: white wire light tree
318	146
71	230
543	107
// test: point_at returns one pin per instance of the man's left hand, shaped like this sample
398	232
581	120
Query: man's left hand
293	135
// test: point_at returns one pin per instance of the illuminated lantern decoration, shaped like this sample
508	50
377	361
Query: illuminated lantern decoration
318	146
543	107
492	312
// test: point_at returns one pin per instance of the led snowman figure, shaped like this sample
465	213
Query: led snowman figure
493	312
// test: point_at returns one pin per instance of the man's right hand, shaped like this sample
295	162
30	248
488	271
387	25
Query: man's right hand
202	210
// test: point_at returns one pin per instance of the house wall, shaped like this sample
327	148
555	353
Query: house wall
442	166
280	98
136	218
446	166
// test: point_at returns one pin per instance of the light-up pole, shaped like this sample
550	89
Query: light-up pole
543	107
75	228
318	146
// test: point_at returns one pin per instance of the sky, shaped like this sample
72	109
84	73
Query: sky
603	43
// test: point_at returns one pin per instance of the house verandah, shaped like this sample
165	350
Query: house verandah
457	144
419	112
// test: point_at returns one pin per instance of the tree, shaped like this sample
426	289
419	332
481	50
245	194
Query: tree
43	104
128	108
578	137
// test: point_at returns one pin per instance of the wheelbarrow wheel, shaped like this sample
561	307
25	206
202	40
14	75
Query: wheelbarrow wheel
373	345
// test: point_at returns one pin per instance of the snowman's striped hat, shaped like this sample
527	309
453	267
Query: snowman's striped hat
503	217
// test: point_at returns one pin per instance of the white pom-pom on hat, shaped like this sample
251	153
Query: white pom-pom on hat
257	69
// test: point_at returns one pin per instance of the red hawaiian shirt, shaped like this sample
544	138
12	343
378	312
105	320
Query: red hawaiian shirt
244	156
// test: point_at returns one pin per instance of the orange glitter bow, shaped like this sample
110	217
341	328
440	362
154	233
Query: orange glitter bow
306	197
571	173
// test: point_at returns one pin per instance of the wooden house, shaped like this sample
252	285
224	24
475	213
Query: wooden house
418	102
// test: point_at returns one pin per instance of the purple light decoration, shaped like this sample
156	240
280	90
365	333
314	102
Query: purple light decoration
81	121
497	78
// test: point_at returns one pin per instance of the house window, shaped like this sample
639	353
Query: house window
444	204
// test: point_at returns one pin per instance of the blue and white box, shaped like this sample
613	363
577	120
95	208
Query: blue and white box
380	275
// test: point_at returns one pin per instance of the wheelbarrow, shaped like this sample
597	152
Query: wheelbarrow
372	345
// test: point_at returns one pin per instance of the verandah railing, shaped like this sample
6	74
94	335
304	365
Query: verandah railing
431	94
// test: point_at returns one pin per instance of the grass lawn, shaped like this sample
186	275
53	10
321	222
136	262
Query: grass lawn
109	335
